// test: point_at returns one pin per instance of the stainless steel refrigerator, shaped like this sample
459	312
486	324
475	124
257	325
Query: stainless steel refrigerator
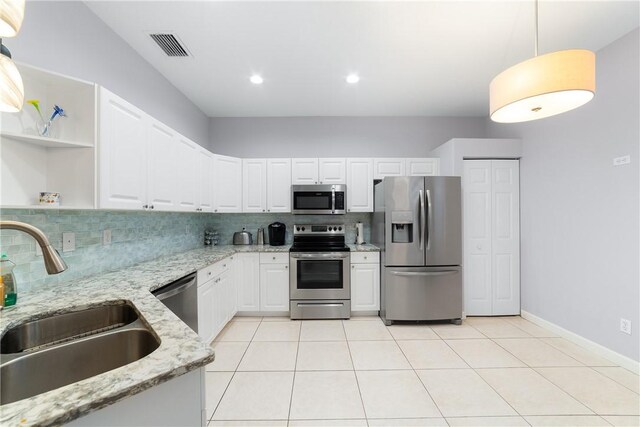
417	224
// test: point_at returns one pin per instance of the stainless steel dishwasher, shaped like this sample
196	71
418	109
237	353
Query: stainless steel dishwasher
181	297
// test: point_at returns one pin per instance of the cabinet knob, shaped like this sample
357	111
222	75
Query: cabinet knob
365	257
262	210
151	206
274	258
224	265
209	273
353	266
145	206
215	210
286	266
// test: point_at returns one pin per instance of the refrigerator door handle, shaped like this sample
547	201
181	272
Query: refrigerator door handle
430	215
424	273
422	219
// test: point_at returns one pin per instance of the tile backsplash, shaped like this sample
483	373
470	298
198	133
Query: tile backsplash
227	224
136	237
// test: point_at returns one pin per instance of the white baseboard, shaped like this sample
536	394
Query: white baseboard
600	350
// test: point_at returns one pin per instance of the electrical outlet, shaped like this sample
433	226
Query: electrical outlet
106	237
619	161
68	242
625	326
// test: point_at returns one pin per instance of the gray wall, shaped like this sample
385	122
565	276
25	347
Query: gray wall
338	136
580	217
68	38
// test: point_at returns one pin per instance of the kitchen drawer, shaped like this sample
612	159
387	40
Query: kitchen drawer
365	257
274	258
208	273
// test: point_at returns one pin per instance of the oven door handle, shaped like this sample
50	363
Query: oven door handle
321	256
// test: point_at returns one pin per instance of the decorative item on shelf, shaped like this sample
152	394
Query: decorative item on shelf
211	238
11	87
49	199
44	127
544	85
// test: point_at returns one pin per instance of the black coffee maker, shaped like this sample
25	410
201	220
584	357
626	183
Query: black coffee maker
277	232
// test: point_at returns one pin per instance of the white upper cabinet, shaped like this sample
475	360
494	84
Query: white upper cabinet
188	177
228	184
122	153
359	185
162	153
388	167
254	185
304	171
332	171
279	185
423	167
205	180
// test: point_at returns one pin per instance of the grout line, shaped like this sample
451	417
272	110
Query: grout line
234	371
295	369
417	375
364	409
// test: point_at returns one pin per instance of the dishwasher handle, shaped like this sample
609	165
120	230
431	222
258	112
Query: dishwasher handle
175	288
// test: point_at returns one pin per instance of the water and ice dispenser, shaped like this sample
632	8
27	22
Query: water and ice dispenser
401	227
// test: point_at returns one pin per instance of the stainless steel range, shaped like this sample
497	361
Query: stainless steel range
319	278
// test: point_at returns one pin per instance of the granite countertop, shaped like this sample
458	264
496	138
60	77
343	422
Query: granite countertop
365	247
181	350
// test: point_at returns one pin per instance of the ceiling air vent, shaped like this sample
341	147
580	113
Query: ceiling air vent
169	44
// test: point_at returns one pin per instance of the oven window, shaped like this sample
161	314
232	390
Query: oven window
325	274
312	200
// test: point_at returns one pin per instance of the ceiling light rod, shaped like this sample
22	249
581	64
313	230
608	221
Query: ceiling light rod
4	51
535	17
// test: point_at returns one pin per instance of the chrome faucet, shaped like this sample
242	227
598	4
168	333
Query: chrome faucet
52	260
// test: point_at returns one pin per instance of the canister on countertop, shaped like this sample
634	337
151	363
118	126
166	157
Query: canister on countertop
260	236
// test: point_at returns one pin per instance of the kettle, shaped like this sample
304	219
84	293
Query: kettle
242	237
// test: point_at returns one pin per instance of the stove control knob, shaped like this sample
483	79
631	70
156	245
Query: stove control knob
340	228
335	228
297	228
302	228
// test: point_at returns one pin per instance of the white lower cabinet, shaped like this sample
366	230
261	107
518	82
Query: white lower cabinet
247	278
217	299
205	311
262	281
365	281
274	287
274	281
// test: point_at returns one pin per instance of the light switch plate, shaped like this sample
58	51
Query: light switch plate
619	161
68	242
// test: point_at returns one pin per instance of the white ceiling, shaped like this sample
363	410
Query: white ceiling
432	58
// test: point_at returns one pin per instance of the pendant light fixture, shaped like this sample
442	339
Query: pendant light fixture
11	15
544	85
11	88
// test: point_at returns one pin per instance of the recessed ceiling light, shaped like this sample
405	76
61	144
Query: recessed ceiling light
353	78
256	79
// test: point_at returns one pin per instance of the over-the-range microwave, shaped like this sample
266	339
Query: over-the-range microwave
319	199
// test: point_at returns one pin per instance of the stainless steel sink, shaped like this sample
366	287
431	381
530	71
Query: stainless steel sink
66	326
49	353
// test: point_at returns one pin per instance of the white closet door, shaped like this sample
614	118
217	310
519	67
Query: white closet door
477	237
505	240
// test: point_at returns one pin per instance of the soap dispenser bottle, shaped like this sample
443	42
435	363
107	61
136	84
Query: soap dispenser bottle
9	281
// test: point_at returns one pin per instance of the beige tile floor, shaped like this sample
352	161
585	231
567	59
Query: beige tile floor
502	371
